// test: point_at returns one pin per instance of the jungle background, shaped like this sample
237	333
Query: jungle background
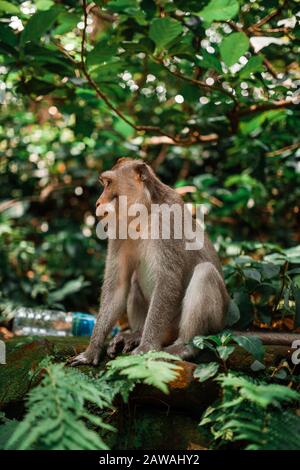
206	92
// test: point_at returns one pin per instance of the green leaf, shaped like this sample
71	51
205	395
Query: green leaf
252	344
233	313
270	270
164	30
9	8
67	22
254	64
102	52
281	374
219	10
44	4
209	61
39	23
129	7
7	35
261	394
184	48
36	87
206	371
233	47
293	254
201	343
70	287
6	431
250	125
149	368
257	366
252	274
124	129
293	271
225	337
225	351
57	415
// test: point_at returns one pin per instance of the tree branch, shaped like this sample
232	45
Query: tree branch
277	152
162	136
199	83
255	108
268	17
190	140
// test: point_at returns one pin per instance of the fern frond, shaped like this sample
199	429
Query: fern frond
57	410
251	411
150	368
262	394
274	430
57	416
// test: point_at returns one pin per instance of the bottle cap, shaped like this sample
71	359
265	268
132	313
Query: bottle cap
82	324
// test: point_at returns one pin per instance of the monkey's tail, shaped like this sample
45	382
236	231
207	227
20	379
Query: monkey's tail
271	338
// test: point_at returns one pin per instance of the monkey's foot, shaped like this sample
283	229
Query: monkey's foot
144	348
184	351
89	356
123	342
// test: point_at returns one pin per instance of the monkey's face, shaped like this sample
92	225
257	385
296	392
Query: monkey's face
109	193
123	180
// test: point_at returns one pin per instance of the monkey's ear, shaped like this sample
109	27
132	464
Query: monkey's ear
122	160
141	170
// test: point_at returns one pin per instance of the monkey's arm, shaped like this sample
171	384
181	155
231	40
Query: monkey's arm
112	306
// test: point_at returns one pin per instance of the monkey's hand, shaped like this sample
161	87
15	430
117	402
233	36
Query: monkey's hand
123	342
146	347
90	356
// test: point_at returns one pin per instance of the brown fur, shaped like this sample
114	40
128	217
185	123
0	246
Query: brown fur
171	294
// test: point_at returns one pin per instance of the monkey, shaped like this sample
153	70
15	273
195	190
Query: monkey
171	294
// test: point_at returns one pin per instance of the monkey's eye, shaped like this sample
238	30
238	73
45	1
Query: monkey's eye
105	182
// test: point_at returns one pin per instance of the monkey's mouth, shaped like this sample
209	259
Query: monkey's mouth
101	212
102	215
104	210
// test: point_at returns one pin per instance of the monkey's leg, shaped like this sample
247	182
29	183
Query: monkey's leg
162	317
137	307
112	306
203	309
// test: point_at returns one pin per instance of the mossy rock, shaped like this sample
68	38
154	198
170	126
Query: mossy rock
150	420
23	356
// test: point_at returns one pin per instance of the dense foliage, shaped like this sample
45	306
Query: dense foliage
70	410
255	413
63	411
204	91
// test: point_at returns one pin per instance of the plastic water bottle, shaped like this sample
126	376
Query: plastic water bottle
39	322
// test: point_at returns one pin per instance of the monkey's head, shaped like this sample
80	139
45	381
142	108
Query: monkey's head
128	177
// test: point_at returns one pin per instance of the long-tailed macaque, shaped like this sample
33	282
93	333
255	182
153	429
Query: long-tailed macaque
170	293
